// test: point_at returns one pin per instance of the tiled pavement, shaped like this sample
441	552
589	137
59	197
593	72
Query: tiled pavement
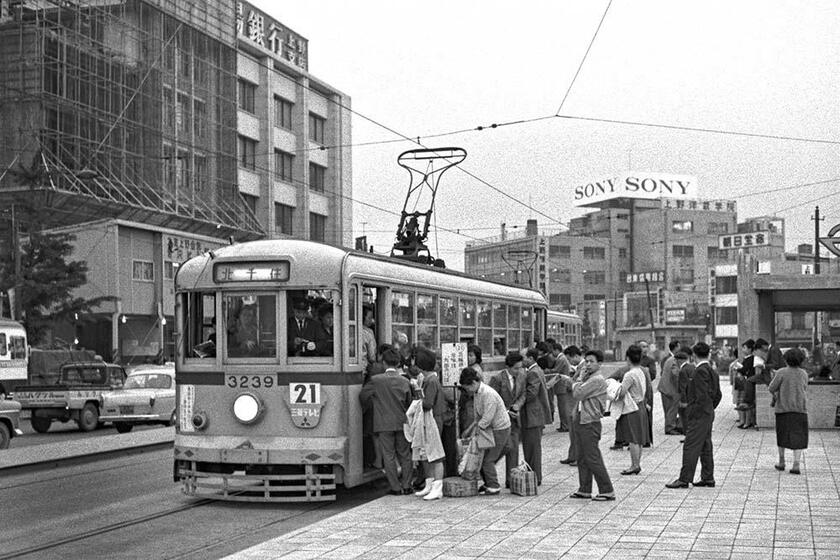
754	512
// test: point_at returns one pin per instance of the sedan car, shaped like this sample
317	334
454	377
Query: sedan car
9	422
147	397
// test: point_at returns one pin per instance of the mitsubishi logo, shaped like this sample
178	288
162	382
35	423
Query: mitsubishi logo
832	242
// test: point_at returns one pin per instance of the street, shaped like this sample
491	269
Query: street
64	431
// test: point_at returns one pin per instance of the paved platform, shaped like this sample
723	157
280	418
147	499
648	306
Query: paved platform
754	512
78	448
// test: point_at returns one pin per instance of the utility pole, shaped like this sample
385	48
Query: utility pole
650	312
816	218
16	248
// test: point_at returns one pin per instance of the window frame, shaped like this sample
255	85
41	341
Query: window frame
246	96
283	109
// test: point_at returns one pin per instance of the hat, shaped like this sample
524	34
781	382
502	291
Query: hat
300	304
681	355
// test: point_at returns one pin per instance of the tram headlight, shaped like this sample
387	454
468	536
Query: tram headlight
247	408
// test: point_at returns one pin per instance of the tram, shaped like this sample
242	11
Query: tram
271	352
564	327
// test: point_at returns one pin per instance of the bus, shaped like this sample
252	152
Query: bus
564	328
270	358
14	356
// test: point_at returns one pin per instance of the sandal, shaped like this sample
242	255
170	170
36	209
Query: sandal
603	498
580	496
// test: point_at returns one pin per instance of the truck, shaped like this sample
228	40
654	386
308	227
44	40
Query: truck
75	395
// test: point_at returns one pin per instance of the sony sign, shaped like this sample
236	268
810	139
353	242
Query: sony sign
636	185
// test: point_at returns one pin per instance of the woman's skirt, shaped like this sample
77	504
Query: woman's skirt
792	430
634	426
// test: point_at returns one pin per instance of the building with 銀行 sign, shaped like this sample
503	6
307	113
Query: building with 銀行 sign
154	130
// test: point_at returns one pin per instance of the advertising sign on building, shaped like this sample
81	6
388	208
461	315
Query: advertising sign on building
675	315
453	358
636	185
637	310
255	26
178	248
655	276
602	318
807	269
741	240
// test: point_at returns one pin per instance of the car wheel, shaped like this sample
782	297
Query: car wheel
40	424
5	436
88	418
123	427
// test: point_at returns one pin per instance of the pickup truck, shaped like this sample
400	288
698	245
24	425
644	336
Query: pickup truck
75	396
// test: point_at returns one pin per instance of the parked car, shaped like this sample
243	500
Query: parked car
146	397
9	422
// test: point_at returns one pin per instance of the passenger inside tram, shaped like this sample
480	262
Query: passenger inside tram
244	336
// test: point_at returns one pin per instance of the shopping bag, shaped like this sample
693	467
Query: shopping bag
470	464
523	480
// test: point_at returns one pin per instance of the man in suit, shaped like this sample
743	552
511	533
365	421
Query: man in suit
510	384
535	414
702	397
302	332
574	359
389	395
669	391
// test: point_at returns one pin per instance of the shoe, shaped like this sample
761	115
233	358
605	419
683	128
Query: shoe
706	483
426	489
580	496
637	470
677	484
682	440
795	470
673	433
779	467
436	492
488	490
562	429
742	406
618	446
603	498
572	464
646	445
407	491
567	461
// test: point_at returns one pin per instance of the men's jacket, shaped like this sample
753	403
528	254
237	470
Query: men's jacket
537	410
513	398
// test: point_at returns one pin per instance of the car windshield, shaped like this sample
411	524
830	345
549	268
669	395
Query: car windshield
148	381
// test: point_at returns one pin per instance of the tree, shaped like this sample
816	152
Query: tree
47	281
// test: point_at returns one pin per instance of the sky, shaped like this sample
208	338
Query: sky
769	68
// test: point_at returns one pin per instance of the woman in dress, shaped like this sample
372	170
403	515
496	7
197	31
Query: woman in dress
634	425
789	386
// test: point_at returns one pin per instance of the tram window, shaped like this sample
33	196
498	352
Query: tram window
485	341
402	319
200	324
448	311
427	335
499	316
484	314
17	346
352	324
250	323
513	316
527	325
311	323
2	344
426	309
513	340
448	334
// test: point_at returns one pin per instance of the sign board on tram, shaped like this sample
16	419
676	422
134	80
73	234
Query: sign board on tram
453	358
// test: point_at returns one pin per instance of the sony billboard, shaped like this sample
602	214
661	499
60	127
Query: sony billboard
636	185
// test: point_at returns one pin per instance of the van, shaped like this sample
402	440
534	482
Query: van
14	356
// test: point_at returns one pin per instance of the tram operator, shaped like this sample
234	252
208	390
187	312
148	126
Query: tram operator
302	331
243	338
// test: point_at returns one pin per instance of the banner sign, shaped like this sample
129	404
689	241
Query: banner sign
636	185
655	276
255	26
674	315
741	240
453	358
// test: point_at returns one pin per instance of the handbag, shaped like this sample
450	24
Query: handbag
523	480
470	463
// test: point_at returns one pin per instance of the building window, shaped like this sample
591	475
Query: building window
594	253
686	226
559	251
143	271
622	253
247	95
718	227
622	216
683	251
594	297
683	275
561	275
283	216
594	277
317	227
250	202
726	316
316	128
726	285
283	166
247	153
283	113
317	176
713	253
564	301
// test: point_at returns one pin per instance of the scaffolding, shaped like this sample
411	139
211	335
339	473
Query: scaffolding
123	109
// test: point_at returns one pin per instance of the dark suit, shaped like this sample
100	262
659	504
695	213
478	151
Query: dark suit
389	395
534	416
309	332
514	399
702	397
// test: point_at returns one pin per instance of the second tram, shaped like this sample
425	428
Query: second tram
564	327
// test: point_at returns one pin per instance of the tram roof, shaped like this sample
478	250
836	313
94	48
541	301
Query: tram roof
197	271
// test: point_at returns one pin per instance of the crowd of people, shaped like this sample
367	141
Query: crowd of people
412	432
